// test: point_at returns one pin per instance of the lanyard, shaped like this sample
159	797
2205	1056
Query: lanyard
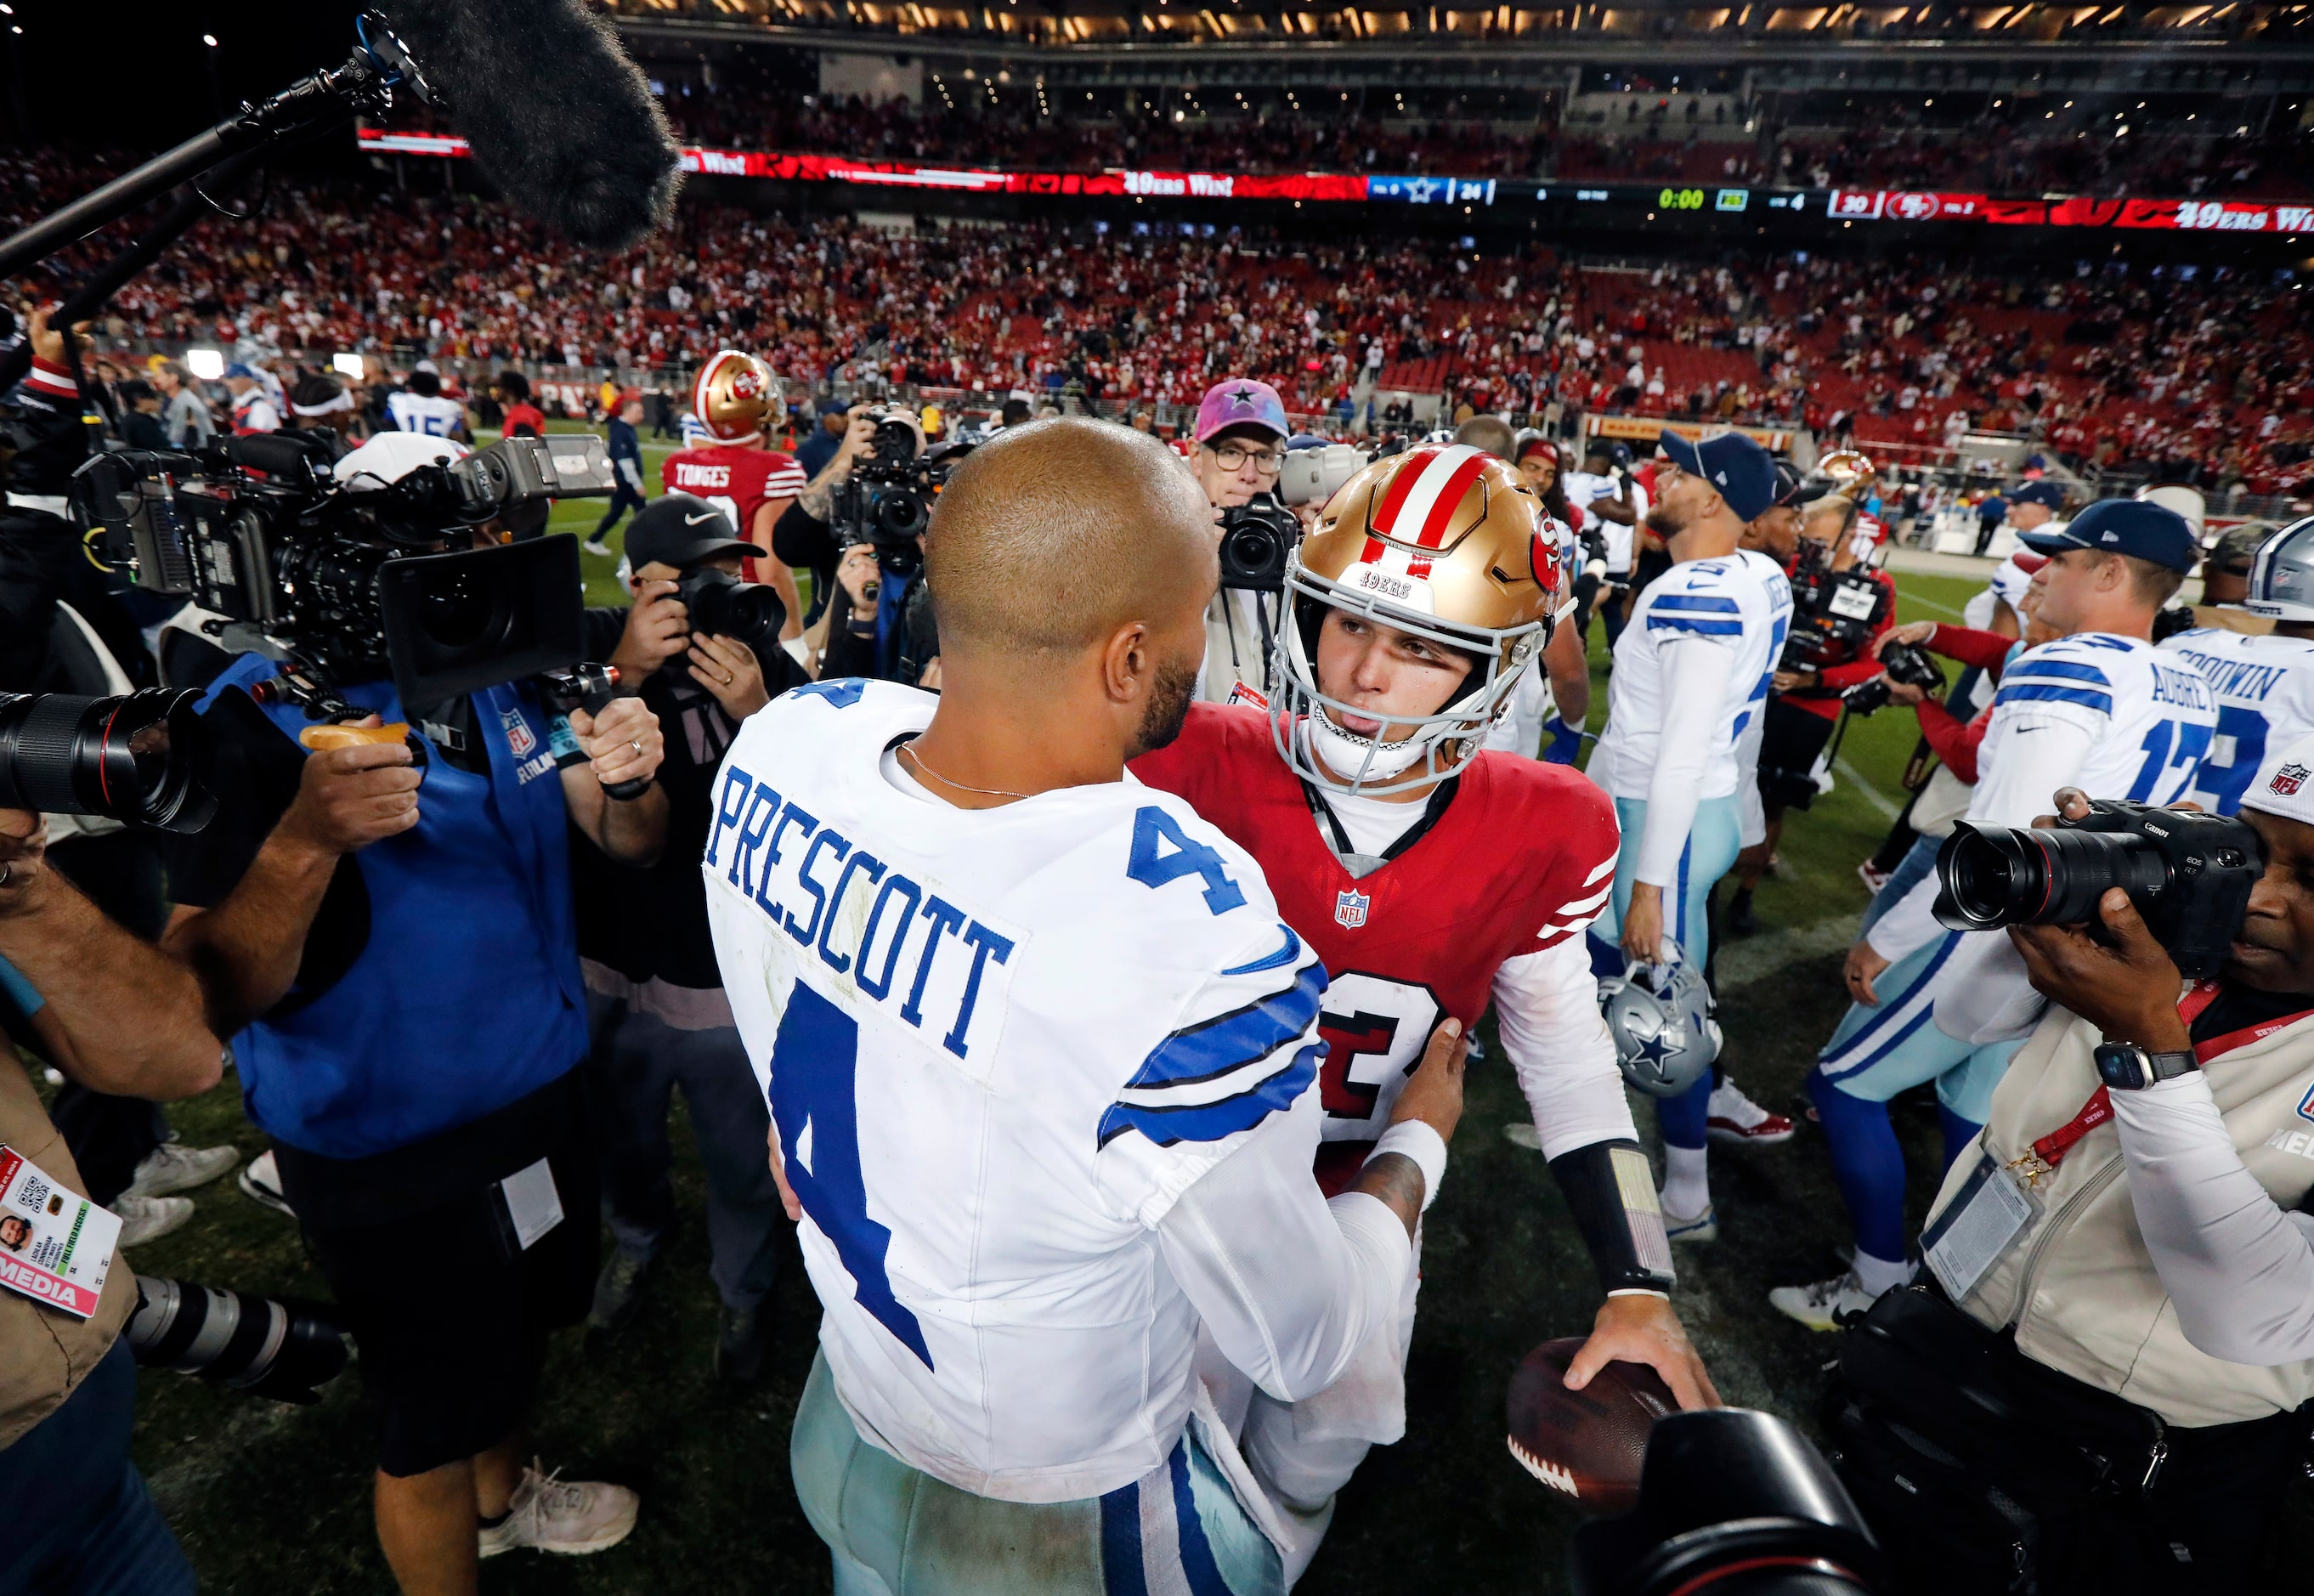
2048	1151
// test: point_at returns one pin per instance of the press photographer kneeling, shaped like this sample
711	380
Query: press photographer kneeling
2133	1371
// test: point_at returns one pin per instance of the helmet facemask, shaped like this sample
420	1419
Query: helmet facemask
1304	723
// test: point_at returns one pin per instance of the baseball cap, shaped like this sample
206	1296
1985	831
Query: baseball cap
2049	495
2237	547
242	368
1793	490
1740	470
1240	402
2123	526
2284	785
681	530
831	406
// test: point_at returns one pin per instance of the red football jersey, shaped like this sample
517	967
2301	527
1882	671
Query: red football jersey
1523	857
736	481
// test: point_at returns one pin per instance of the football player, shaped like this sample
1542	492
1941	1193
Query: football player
1691	675
2100	709
1431	877
734	467
1040	1055
2264	685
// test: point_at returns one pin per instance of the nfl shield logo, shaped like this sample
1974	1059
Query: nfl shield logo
2288	779
519	737
1351	908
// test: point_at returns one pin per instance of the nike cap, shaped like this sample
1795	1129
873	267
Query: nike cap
1743	471
2129	526
681	530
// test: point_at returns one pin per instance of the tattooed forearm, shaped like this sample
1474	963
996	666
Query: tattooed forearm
1397	1180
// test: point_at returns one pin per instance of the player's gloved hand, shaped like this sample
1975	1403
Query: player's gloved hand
1565	742
1640	1328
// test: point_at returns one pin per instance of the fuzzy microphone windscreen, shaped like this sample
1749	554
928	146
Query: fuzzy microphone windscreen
555	112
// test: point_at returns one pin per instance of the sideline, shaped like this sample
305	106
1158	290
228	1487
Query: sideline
1889	808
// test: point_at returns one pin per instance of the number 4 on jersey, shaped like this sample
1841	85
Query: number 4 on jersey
1155	830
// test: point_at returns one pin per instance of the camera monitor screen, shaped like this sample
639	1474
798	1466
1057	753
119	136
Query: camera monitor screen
458	622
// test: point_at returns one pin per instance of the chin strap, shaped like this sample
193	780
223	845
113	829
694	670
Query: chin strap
1611	1191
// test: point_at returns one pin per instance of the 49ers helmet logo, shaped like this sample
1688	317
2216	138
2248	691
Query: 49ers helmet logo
734	398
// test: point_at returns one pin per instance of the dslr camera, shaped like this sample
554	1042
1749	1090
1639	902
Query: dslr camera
1903	662
2188	874
886	500
1256	537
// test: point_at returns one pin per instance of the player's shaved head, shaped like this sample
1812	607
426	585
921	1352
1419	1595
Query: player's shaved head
1052	536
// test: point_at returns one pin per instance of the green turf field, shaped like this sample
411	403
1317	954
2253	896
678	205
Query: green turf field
270	1499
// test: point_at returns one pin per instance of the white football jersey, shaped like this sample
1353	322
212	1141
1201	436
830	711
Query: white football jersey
998	1045
1741	600
2266	701
2149	715
436	417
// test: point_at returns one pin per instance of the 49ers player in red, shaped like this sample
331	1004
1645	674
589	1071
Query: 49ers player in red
1431	877
736	399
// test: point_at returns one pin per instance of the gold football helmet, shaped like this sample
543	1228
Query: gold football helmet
1848	471
735	397
1447	542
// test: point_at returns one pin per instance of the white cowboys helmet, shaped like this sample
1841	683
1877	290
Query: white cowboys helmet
1662	1019
2281	576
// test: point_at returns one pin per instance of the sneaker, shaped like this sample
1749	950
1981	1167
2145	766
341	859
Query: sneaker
261	1183
551	1515
618	1292
1521	1132
173	1167
1701	1227
597	547
148	1219
1874	878
739	1346
1827	1305
1731	1117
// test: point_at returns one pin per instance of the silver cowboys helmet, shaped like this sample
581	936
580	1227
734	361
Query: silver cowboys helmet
2282	576
1662	1019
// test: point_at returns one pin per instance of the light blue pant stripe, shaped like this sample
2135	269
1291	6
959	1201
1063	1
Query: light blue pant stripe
1880	1052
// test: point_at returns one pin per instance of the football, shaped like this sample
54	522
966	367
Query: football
1587	1445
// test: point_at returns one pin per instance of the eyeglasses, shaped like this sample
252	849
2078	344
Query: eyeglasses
1234	457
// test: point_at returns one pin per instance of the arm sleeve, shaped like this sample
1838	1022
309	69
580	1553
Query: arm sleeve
2238	1270
1695	670
803	541
1547	1006
2012	793
1289	1284
1986	650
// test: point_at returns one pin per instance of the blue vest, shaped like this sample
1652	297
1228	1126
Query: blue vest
467	995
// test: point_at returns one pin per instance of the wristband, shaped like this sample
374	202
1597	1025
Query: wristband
1420	1141
1610	1193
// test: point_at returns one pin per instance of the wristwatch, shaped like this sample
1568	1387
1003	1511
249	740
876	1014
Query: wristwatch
2126	1067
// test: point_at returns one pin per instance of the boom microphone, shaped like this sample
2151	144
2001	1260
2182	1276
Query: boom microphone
553	110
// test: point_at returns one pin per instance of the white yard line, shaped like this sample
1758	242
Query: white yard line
1872	795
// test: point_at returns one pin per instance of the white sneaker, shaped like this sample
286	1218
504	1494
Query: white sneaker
261	1183
172	1167
148	1219
1697	1229
1827	1305
598	547
1731	1117
552	1514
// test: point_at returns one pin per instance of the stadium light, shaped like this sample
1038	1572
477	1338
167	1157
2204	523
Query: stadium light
209	40
208	364
347	364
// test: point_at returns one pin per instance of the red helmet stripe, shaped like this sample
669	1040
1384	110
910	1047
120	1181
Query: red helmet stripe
1393	498
1448	498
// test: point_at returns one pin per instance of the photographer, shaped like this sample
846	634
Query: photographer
393	949
2099	707
2152	1336
655	998
867	617
1241	436
67	1400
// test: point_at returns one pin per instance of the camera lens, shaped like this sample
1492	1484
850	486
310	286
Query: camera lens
899	513
142	758
1998	875
457	611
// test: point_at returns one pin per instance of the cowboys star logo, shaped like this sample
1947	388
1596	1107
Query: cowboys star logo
1241	399
2288	779
1351	908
